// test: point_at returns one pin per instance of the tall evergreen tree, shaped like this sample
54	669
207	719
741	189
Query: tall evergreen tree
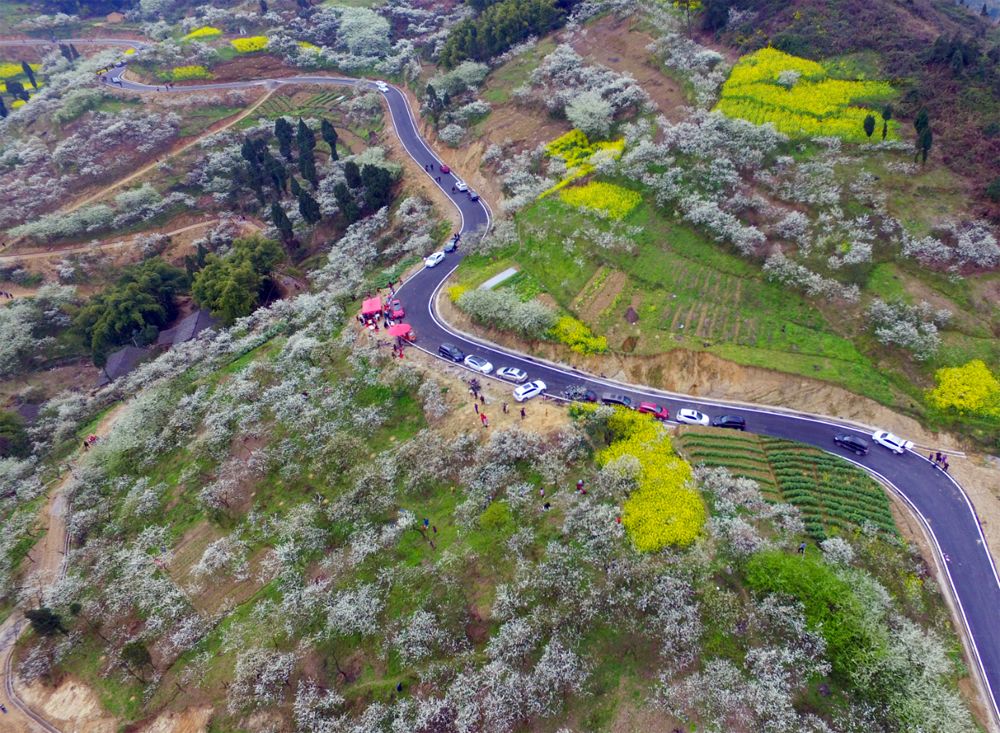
295	187
283	131
3	109
352	174
924	143
869	125
307	166
346	204
308	207
305	137
378	187
921	121
281	221
329	133
29	72
886	116
72	50
44	621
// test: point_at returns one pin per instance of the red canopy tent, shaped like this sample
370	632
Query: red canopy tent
402	330
371	307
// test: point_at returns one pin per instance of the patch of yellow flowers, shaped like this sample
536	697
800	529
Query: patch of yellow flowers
968	389
183	73
580	155
203	33
575	334
665	510
250	44
811	106
607	199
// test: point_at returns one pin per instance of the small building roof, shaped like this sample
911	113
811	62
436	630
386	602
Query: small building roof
371	306
115	17
187	328
121	362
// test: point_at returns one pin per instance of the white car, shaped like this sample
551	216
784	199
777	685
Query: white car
381	86
462	186
512	374
893	442
434	260
691	417
478	363
529	390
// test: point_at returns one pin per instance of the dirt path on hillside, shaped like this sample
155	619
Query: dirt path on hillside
174	152
46	558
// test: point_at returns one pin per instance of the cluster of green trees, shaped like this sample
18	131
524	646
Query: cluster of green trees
133	309
16	88
13	436
499	26
233	285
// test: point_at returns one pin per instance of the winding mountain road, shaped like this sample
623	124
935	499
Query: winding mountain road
935	498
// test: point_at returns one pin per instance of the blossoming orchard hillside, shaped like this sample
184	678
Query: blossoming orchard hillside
506	366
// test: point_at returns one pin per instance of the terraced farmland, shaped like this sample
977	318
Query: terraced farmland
833	496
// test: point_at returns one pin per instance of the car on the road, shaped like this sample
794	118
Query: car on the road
691	417
119	64
451	246
450	351
445	169
512	374
651	408
382	86
434	260
396	309
473	196
478	363
580	393
529	390
733	422
618	400
462	186
893	442
854	443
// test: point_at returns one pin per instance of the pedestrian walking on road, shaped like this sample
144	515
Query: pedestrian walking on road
484	419
944	463
475	406
482	398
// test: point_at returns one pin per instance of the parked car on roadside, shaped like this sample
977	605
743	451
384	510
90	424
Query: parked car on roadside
512	374
396	309
893	442
580	393
853	443
450	351
733	422
478	363
620	400
529	390
651	408
691	417
473	196
462	186
445	169
434	260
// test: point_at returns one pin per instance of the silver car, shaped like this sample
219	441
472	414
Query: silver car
512	374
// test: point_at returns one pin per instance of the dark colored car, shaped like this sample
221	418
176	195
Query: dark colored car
734	422
620	400
450	351
451	246
580	393
473	196
651	408
858	446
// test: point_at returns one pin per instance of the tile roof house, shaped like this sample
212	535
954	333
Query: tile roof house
121	362
188	328
115	18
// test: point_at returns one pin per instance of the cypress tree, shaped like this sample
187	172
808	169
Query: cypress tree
28	72
295	187
306	137
921	121
283	131
329	133
3	109
307	166
352	174
308	207
281	221
886	116
869	125
924	143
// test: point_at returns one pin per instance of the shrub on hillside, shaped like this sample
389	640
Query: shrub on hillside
501	308
912	327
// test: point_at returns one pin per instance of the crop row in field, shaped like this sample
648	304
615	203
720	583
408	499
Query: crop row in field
832	495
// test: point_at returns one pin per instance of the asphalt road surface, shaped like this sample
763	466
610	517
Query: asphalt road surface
937	499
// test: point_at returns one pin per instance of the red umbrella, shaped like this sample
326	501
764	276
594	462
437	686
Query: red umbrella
401	330
371	307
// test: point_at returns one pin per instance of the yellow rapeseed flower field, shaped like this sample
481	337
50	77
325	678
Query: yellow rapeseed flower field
183	73
607	199
202	34
665	509
968	389
798	97
578	153
249	44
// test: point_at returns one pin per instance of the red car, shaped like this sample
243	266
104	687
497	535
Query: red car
396	310
657	411
445	169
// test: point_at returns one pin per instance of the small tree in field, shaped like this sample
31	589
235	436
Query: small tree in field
886	116
869	125
44	621
924	143
28	72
